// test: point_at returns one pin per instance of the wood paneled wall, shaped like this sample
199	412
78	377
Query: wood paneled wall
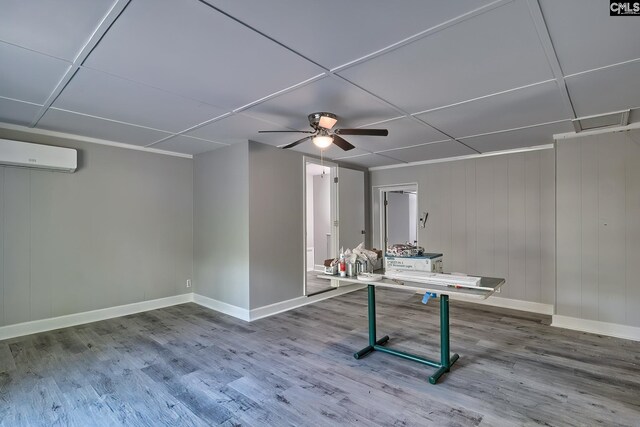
490	216
598	223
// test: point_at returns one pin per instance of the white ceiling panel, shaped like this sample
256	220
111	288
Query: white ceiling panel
186	145
16	112
521	138
370	160
524	107
27	75
403	132
353	106
357	27
239	128
31	23
609	89
437	150
465	67
329	153
586	37
492	52
187	48
63	121
102	95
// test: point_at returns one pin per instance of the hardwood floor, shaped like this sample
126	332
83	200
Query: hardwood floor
187	365
315	285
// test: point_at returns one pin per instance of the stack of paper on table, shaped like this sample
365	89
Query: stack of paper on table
433	278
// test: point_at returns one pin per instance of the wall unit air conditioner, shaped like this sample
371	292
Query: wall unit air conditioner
24	154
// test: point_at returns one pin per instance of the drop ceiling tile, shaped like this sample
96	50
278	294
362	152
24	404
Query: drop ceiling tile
192	50
239	128
489	53
353	106
329	153
370	161
585	36
63	121
102	95
186	145
32	23
438	150
521	138
524	107
606	90
16	112
403	132
357	27
27	75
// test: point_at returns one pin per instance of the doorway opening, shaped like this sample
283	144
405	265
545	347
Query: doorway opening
320	220
398	214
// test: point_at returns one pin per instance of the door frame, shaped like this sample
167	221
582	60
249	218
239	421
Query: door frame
333	194
378	197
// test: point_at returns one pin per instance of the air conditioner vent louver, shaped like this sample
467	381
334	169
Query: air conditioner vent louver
27	155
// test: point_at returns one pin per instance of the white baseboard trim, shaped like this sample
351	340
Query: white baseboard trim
222	307
279	307
43	325
597	327
271	309
516	304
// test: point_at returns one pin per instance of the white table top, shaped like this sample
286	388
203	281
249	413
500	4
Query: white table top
488	286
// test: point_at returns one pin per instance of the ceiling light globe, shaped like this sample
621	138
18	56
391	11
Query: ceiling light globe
322	141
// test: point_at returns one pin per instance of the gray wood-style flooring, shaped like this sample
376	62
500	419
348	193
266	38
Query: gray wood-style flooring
187	365
315	285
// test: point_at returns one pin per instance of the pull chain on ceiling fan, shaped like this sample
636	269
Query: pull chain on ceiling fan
322	136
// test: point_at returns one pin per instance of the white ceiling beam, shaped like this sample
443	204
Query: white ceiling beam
102	28
550	52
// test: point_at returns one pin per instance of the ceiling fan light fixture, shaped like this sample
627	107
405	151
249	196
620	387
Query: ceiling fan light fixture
322	141
327	122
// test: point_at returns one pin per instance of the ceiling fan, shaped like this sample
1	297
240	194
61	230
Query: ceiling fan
322	135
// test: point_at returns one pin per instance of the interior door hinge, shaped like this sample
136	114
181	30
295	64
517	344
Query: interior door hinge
335	180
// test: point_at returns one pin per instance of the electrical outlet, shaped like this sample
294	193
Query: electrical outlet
188	283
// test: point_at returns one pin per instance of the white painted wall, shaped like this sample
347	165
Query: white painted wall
221	221
276	224
116	232
321	216
399	218
309	210
413	217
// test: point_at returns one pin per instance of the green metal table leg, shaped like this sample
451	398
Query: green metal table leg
371	311
446	359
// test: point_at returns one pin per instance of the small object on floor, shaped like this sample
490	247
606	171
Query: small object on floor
427	295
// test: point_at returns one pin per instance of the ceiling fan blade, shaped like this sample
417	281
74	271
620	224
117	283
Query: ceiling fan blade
294	143
342	143
369	132
286	131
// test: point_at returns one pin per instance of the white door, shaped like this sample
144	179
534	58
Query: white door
351	218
